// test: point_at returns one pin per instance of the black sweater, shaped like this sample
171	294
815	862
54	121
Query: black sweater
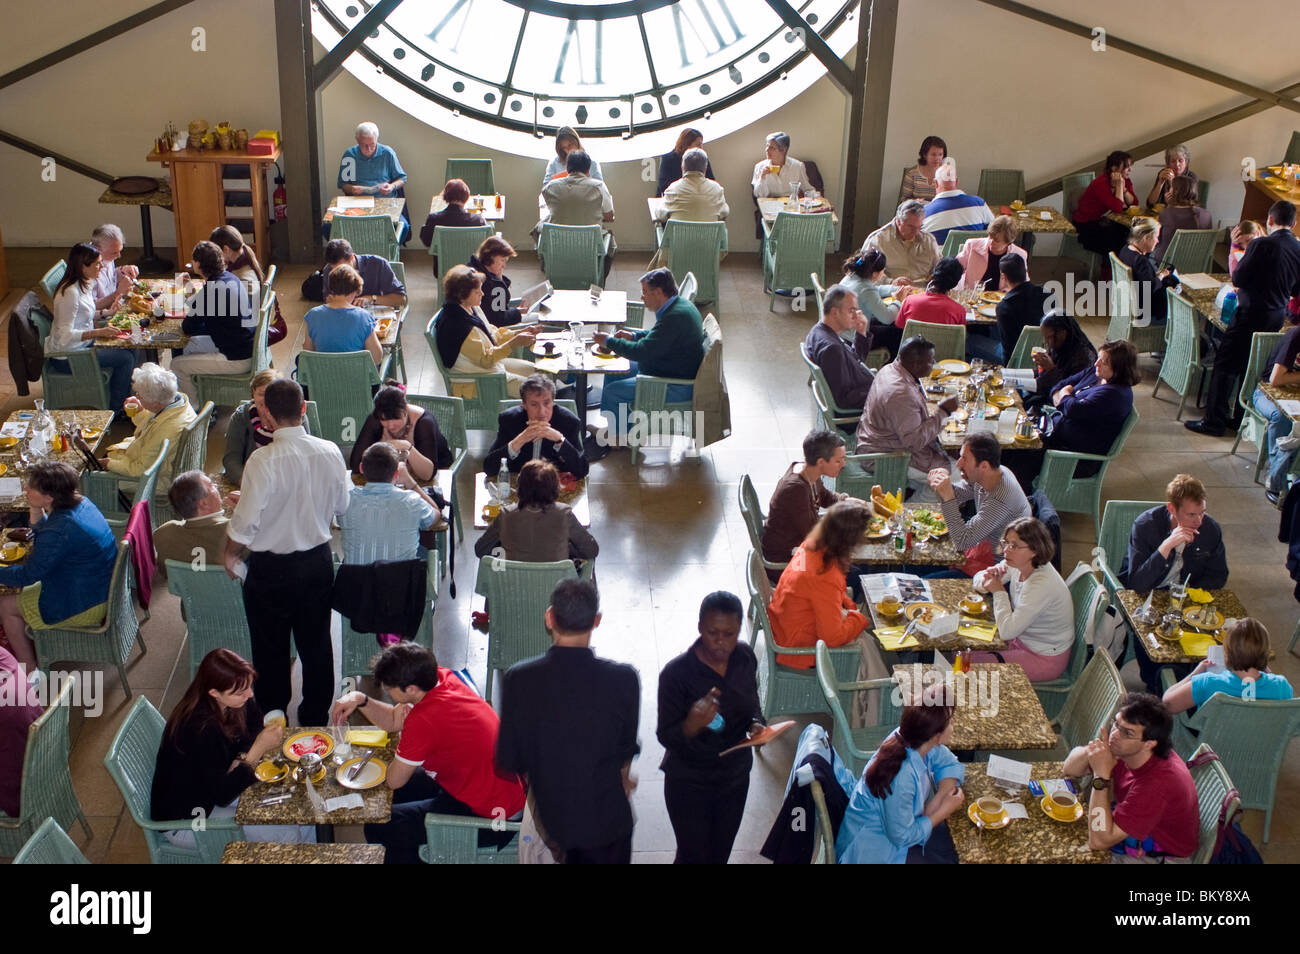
221	310
686	679
193	769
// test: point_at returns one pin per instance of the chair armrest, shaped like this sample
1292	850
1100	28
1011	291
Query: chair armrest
773	565
655	379
874	456
1074	455
183	824
433	820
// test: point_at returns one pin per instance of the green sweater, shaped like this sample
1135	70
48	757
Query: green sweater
673	348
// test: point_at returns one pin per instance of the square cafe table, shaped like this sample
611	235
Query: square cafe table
484	205
98	420
1203	300
938	552
1030	219
1160	652
562	361
954	430
273	853
1033	840
948	594
384	205
576	498
996	707
564	305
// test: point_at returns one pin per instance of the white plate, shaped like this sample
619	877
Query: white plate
370	776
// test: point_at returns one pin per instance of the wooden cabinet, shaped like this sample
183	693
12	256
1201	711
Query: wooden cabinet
200	196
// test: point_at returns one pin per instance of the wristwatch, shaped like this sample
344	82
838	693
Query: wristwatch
1100	783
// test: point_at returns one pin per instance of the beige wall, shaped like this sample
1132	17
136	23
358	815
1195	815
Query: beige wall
106	106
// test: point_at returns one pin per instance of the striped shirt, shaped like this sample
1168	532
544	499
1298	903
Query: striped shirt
383	522
916	186
994	509
955	209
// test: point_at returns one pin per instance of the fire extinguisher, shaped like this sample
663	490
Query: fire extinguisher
279	198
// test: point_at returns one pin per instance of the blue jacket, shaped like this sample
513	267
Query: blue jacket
72	559
880	830
1091	417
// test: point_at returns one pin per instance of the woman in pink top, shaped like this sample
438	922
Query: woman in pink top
934	304
980	256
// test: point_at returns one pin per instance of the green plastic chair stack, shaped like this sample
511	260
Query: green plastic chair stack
1054	693
999	187
46	780
517	594
829	416
887	468
340	384
751	511
1071	494
475	173
191	452
1213	795
1181	369
1031	337
794	246
787	690
84	384
1250	736
453	840
1116	527
454	246
450	415
110	642
50	846
397	363
1191	250
854	745
1092	701
1254	426
358	650
50	280
101	487
214	609
231	390
573	256
131	760
481	394
696	247
949	340
956	238
1123	310
368	234
1072	187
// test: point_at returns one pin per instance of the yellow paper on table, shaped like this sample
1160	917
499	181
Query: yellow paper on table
891	638
1197	595
980	632
1195	645
374	737
552	365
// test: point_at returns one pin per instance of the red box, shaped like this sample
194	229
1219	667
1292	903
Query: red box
261	147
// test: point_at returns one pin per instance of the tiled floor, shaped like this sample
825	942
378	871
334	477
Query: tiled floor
670	532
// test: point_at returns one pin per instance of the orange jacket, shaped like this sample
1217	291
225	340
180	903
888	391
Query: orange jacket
807	607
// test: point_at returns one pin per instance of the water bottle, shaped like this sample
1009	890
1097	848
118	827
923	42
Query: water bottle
794	196
503	483
1229	308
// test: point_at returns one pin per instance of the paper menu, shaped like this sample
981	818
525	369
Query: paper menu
339	802
345	202
1199	280
1289	407
16	429
1006	770
10	488
901	586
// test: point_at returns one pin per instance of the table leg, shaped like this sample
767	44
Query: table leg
150	262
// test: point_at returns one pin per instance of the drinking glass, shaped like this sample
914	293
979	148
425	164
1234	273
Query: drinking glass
1177	594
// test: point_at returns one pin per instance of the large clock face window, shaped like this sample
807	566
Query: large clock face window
508	73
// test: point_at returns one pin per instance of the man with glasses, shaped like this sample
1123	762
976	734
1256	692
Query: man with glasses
1142	803
909	251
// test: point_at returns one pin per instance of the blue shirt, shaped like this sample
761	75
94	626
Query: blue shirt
72	559
1269	686
380	168
339	329
383	522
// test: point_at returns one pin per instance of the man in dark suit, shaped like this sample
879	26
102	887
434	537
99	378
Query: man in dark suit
1267	276
1023	304
537	429
1176	542
841	363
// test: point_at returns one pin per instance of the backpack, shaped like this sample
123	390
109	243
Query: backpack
1231	846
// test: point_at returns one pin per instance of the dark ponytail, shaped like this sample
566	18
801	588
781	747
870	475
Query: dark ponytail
918	725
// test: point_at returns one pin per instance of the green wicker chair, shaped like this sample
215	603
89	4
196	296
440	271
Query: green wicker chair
360	649
1191	250
854	745
650	397
999	187
1254	426
46	780
949	340
481	394
1217	799
794	245
696	247
1123	310
1181	369
819	292
635	315
786	690
829	417
1251	737
1117	521
397	361
1054	693
50	846
887	468
231	390
131	760
475	173
824	848
1071	494
50	280
84	384
190	453
573	256
368	234
454	246
111	641
1093	699
214	609
102	488
341	385
453	840
450	414
1031	337
518	593
689	286
956	238
1072	187
268	283
751	511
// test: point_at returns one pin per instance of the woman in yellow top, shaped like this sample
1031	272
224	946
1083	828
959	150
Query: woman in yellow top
468	343
159	412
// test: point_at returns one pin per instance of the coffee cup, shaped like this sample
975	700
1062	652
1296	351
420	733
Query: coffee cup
889	606
972	603
989	809
1063	804
275	717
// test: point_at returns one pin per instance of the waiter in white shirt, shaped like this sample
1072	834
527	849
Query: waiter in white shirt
113	282
291	491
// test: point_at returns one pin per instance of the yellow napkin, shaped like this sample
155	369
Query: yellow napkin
553	365
1195	644
1199	596
980	632
892	638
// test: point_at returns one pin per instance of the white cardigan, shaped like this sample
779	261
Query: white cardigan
1043	618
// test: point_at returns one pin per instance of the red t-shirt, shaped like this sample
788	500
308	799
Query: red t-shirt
452	734
1158	801
935	307
1099	198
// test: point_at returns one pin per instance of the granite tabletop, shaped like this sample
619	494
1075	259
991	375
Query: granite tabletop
969	298
1203	300
948	594
996	706
1278	394
1029	219
298	809
383	206
484	205
63	420
939	552
169	327
576	497
272	853
162	196
1225	601
1037	839
954	430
